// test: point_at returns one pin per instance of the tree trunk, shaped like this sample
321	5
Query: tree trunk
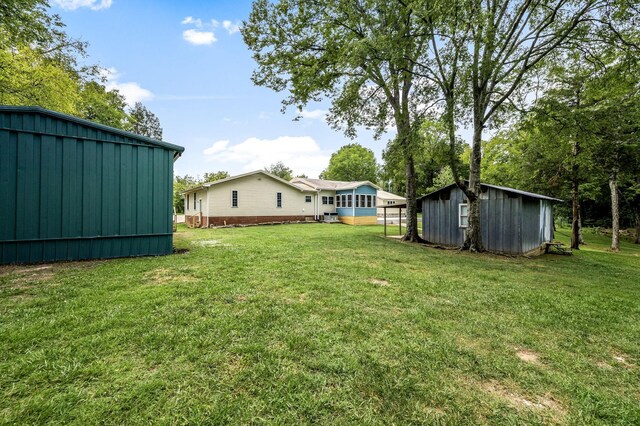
575	219
473	238
580	234
637	241
615	213
411	233
575	200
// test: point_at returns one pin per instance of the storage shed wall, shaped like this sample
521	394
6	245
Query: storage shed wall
69	191
500	226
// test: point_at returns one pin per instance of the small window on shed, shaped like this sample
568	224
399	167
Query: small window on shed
445	195
338	201
307	198
330	200
187	201
349	200
278	199
194	200
463	215
234	198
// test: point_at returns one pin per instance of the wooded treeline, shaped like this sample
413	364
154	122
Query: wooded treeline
41	65
554	76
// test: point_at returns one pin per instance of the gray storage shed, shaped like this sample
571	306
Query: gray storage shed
512	221
72	189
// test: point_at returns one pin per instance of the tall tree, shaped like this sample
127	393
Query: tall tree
281	170
483	54
352	162
361	55
144	122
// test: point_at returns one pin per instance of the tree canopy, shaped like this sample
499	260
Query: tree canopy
352	162
281	170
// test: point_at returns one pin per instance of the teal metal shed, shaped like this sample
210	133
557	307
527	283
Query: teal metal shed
72	189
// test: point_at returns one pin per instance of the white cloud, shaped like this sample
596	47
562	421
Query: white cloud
301	153
76	4
131	91
231	27
217	147
263	116
190	20
199	37
314	114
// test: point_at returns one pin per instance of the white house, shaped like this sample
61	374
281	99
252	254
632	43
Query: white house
260	197
255	197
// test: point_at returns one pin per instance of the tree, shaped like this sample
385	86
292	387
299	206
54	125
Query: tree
280	170
144	122
352	162
213	176
484	54
361	55
181	184
432	156
102	106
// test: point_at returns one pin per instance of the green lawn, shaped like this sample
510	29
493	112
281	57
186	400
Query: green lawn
322	323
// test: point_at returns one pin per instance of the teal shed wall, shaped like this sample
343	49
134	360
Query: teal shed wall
71	189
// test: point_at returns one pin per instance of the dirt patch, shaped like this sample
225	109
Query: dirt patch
380	282
623	359
603	365
520	401
528	356
160	276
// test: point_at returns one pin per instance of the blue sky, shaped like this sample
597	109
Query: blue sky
186	61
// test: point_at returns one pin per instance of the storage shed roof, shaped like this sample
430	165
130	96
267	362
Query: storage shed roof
97	126
501	188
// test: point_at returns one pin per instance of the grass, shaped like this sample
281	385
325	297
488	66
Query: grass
322	323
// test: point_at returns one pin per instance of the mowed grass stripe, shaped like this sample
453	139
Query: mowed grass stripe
322	323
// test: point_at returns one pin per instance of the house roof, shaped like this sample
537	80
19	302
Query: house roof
59	115
230	178
501	188
331	185
389	195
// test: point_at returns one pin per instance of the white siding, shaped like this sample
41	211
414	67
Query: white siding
200	195
327	208
257	197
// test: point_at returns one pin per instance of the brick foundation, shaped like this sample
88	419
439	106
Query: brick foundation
243	220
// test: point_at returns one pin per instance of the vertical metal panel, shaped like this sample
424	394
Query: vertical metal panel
68	192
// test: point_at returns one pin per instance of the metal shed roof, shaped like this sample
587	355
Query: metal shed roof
43	111
501	188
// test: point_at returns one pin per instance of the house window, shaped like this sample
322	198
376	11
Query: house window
307	198
357	200
194	200
187	201
349	200
373	201
339	201
369	200
325	200
234	198
331	200
391	202
278	199
463	215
